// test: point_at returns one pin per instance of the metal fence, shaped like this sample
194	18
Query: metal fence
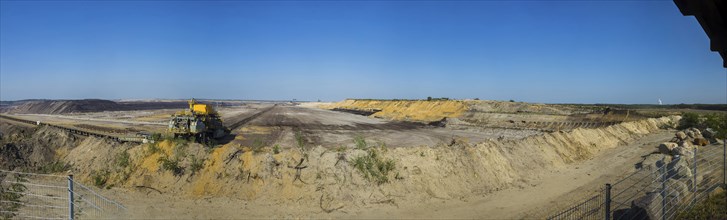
659	189
43	196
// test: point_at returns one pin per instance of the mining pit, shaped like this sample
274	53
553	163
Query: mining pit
446	158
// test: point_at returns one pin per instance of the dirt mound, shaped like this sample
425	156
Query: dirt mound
63	106
419	111
32	147
85	105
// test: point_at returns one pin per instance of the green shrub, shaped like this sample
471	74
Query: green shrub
196	165
689	120
171	165
373	167
276	149
257	145
718	122
122	159
715	121
360	142
156	137
13	193
100	178
211	143
300	140
53	167
152	148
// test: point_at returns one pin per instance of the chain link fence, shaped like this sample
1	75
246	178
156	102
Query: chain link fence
661	188
43	196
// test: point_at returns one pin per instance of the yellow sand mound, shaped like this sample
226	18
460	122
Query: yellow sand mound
424	111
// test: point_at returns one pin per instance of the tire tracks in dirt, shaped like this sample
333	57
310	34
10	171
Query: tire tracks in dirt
246	120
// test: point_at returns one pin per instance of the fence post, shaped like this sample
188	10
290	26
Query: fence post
694	172
70	196
662	170
608	201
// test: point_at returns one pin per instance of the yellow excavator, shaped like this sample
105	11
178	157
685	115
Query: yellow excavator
200	121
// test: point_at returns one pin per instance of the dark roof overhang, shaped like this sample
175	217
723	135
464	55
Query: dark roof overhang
712	15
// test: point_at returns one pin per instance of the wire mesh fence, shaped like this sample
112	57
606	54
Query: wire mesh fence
43	196
591	208
661	188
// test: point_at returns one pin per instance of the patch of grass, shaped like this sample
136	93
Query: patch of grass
689	119
196	165
374	167
152	148
276	149
156	137
100	178
258	145
341	148
715	121
122	159
300	140
360	142
182	141
211	143
13	194
715	207
53	167
171	165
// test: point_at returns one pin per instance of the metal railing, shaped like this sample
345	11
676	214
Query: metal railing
660	190
44	196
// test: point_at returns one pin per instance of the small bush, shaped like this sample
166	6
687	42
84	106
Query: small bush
689	120
156	137
196	165
360	142
13	193
300	140
715	121
718	122
100	178
152	148
258	145
53	167
122	160
211	143
171	165
373	167
276	149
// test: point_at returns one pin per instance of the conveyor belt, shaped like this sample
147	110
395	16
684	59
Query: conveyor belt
77	131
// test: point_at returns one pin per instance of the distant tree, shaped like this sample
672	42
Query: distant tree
477	98
512	100
429	98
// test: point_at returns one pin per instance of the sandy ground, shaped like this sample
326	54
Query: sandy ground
565	185
446	172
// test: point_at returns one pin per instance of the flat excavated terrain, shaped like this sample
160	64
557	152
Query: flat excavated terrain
279	125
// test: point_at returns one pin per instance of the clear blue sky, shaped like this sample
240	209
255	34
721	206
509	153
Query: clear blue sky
565	51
